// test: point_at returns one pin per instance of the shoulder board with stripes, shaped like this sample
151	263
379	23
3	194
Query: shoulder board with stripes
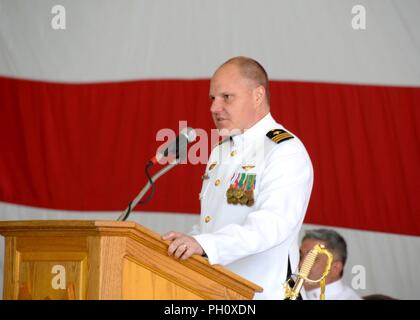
279	135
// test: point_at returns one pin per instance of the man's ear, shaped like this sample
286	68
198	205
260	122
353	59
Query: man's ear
336	269
259	95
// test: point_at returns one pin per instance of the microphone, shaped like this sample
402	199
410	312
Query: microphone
177	147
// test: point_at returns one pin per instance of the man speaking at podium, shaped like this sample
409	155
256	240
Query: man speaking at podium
256	186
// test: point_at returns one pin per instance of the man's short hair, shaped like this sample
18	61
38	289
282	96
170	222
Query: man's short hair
333	241
252	70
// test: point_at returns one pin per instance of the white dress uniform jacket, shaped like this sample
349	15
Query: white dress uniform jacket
256	241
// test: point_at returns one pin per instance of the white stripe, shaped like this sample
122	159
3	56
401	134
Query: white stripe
391	261
132	39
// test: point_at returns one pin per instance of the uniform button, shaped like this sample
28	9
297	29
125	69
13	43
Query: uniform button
217	182
212	166
207	219
233	153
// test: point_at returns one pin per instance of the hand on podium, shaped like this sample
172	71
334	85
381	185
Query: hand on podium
182	246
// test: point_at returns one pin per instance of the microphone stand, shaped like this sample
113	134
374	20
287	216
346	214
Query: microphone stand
150	183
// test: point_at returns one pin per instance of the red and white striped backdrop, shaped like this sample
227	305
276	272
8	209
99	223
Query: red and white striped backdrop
80	109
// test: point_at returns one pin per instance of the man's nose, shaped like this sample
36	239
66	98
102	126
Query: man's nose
216	106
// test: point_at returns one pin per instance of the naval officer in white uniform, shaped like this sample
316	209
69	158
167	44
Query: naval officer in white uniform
256	186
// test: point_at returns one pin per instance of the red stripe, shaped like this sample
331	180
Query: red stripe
84	146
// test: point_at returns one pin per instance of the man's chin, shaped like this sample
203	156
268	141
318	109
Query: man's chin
223	132
228	132
309	288
221	128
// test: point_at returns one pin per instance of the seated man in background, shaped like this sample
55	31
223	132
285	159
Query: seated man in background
335	288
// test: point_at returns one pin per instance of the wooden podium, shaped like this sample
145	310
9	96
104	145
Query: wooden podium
57	259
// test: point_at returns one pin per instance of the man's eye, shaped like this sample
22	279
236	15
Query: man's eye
211	98
226	97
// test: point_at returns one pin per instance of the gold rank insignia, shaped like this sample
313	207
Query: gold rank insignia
279	135
248	167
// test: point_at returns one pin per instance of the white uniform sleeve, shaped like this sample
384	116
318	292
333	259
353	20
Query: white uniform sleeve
285	186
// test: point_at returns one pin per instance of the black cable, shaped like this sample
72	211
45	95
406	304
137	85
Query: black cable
151	183
150	196
128	211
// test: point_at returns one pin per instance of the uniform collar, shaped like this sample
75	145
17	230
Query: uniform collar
257	131
331	290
